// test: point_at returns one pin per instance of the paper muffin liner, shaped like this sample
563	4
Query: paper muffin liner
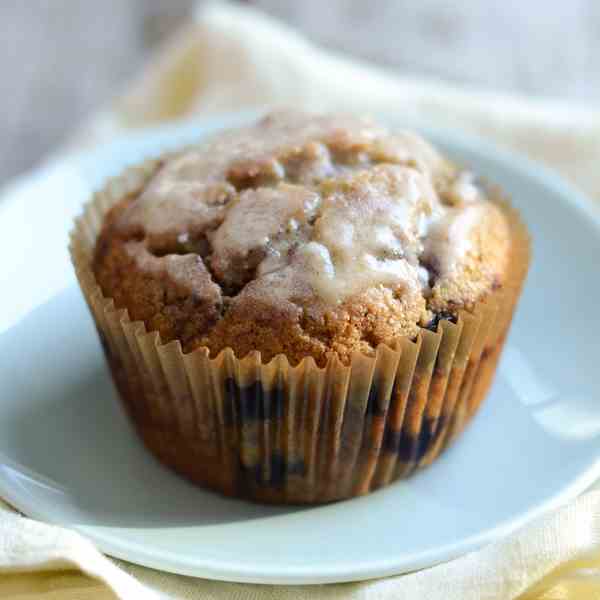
302	433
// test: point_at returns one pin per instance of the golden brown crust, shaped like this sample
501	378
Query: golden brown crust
417	244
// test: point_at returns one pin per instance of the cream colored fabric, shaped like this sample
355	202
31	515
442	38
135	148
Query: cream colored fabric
232	58
555	558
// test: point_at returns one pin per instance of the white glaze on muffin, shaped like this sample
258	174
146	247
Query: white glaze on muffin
314	234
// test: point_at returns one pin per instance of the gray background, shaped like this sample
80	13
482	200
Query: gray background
60	59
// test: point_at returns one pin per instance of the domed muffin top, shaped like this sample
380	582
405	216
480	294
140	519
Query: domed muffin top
302	234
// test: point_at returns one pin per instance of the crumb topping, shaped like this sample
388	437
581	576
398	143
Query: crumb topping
329	230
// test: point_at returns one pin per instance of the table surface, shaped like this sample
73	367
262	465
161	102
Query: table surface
62	59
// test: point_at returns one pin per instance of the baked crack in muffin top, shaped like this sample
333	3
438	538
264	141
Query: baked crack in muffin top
304	235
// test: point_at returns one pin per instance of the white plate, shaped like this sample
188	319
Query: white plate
68	455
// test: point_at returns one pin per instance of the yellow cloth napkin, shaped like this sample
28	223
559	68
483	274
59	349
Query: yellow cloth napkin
233	57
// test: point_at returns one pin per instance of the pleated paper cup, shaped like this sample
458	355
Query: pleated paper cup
304	433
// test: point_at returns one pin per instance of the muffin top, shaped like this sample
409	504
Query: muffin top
305	235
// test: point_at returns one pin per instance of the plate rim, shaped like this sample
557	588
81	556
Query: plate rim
224	570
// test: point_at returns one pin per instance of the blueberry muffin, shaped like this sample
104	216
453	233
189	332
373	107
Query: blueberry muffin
302	310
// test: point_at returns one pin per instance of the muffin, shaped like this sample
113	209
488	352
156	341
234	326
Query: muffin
303	310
